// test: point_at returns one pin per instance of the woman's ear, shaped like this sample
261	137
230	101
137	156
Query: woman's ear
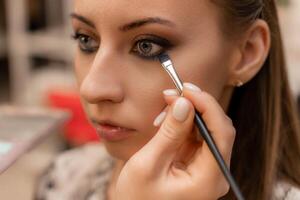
252	52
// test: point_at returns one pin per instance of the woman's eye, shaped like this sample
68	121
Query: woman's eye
86	43
146	48
151	46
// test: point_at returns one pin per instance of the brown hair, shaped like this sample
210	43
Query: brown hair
267	146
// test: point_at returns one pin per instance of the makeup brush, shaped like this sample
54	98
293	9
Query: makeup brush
169	68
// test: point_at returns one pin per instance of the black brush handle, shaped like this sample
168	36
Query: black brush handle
216	153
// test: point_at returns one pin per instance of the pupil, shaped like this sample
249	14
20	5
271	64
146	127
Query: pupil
145	47
84	39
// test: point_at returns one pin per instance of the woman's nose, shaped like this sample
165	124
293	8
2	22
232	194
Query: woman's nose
103	81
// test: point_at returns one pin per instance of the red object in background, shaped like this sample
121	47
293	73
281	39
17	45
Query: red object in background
78	130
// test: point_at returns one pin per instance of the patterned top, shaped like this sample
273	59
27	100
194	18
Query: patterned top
84	173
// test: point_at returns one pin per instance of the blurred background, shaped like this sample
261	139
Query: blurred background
36	70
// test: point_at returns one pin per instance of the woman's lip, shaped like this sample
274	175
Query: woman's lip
112	133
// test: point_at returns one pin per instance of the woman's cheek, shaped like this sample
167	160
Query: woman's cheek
144	87
82	65
148	106
204	66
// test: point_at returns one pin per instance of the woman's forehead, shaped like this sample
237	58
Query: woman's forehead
119	10
186	19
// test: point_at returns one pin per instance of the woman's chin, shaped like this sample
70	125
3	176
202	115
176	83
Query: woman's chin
120	151
124	149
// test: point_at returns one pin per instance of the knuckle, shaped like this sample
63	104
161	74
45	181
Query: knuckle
209	99
210	103
207	96
224	188
233	133
169	131
230	132
229	120
228	136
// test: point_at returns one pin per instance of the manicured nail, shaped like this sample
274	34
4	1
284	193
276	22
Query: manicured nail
159	119
181	109
171	92
192	87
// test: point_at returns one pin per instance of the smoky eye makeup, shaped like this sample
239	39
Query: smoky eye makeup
150	46
146	46
86	43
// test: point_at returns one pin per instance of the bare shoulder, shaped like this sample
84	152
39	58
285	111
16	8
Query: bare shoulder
79	173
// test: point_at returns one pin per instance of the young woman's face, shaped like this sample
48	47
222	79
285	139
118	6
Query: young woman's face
118	79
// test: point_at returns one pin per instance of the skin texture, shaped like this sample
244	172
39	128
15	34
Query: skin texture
198	58
116	84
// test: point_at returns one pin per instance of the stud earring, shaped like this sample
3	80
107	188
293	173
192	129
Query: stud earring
239	83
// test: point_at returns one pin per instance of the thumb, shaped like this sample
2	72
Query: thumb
176	126
178	123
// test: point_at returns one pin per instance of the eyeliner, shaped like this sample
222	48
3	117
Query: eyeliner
169	68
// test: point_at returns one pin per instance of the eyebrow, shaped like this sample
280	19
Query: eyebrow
82	19
145	21
132	25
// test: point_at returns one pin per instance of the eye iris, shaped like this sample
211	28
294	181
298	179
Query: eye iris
145	46
84	39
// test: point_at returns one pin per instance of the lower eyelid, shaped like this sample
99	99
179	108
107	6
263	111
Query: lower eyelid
87	51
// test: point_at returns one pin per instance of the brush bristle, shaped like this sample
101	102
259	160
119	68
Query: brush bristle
163	57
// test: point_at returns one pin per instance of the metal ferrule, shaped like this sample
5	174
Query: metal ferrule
168	66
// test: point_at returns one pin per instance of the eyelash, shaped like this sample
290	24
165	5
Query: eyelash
152	39
78	36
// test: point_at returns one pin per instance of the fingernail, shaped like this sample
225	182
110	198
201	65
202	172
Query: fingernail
192	87
171	92
159	119
181	109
